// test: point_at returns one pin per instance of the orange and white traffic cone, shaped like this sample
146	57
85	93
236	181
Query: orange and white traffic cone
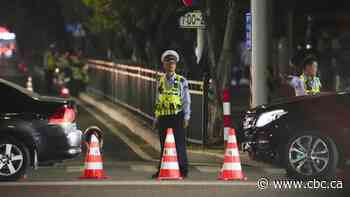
93	161
231	169
169	167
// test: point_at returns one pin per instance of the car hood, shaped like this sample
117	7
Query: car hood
282	103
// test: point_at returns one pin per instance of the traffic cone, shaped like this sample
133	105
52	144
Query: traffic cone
231	169
29	84
169	168
93	161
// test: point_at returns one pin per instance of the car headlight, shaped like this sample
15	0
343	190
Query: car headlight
268	117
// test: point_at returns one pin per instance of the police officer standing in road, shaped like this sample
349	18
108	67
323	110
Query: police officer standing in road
173	108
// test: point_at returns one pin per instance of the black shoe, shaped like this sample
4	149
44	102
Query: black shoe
155	175
184	175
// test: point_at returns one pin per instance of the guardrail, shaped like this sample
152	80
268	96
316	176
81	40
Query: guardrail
135	88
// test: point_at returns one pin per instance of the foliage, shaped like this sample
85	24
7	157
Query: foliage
104	17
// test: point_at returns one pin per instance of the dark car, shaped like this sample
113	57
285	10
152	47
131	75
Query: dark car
308	135
34	130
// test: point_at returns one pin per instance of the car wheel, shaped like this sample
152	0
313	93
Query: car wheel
14	159
310	156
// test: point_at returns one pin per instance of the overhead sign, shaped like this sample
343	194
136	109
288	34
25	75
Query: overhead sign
193	20
76	29
248	30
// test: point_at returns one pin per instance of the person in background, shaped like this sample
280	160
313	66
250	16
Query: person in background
49	67
79	73
64	66
83	69
308	83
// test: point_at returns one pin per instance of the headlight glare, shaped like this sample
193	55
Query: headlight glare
268	117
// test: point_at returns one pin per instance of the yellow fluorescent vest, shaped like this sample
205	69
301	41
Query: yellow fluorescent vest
51	62
169	100
315	85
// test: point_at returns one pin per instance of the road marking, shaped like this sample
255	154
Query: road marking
143	168
71	169
122	136
274	170
132	183
208	169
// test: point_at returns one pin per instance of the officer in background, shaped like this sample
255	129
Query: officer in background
49	67
83	69
65	74
77	67
308	83
173	108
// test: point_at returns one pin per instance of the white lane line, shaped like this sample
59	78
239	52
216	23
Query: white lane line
274	170
143	168
132	183
208	169
71	169
121	135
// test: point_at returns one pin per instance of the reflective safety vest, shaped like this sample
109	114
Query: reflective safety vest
77	73
51	62
77	69
169	100
312	86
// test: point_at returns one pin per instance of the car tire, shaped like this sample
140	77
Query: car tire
18	161
321	156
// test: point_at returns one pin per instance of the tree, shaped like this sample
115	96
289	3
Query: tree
141	30
221	53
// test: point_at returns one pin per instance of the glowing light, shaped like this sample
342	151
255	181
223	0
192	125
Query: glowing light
7	36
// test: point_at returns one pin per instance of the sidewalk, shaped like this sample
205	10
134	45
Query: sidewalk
140	131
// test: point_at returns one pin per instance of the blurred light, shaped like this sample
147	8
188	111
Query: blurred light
64	91
8	53
7	36
308	46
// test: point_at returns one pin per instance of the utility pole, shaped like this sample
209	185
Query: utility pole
261	52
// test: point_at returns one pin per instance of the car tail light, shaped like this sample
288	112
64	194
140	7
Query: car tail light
62	115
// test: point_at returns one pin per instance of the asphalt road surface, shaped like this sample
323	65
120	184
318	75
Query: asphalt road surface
129	175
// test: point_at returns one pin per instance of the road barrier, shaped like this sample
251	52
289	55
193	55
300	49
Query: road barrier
135	88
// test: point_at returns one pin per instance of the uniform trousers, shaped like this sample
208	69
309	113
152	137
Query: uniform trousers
176	123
